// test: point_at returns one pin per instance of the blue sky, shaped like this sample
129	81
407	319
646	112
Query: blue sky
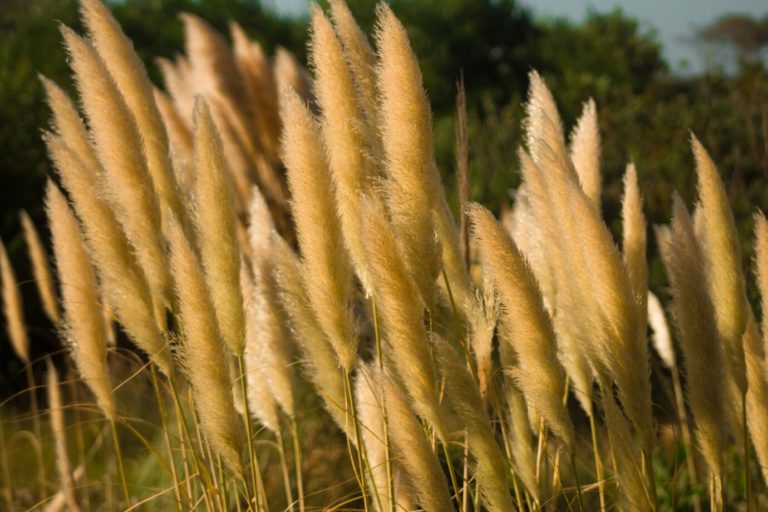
673	20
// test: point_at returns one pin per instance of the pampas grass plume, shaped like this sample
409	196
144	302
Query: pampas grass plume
12	307
118	146
122	280
406	128
40	269
216	224
720	245
661	337
702	349
411	449
202	353
634	242
84	320
585	152
325	266
532	336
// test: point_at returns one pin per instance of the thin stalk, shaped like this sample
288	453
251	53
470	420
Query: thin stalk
36	427
598	463
387	447
297	462
647	463
540	452
121	468
7	483
167	435
451	472
351	412
516	487
284	469
80	439
576	480
258	484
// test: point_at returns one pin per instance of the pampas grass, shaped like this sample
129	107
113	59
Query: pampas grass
283	237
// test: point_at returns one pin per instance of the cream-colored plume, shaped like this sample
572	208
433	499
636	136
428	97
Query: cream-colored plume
757	393
40	268
463	398
369	404
342	128
121	279
129	188
320	361
695	320
662	339
634	244
721	249
406	126
532	336
401	312
179	136
521	441
83	325
543	127
128	71
69	126
585	152
291	74
325	265
216	223
203	353
761	269
12	307
411	449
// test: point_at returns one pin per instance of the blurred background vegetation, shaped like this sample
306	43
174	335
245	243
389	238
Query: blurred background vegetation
645	110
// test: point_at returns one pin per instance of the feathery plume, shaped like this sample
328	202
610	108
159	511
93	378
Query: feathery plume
178	80
463	398
216	224
634	244
406	128
401	312
83	317
289	73
40	269
60	436
325	266
757	392
585	152
623	349
202	353
532	336
121	279
412	450
362	64
320	360
523	456
369	404
270	341
130	75
12	307
69	126
179	136
118	145
720	246
761	269
543	127
695	318
662	339
341	128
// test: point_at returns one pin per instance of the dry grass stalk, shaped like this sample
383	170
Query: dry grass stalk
129	188
702	350
12	307
121	279
40	269
412	450
406	128
202	353
585	152
325	268
532	336
58	423
216	224
83	324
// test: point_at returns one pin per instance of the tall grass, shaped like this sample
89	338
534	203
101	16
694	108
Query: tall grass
317	331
